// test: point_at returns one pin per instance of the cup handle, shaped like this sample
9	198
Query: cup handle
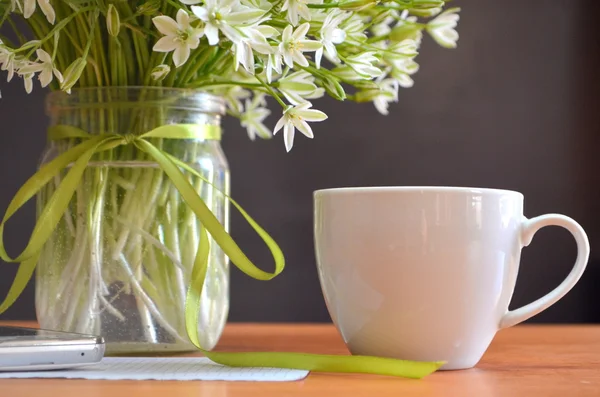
528	229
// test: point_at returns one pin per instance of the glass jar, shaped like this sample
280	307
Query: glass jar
120	260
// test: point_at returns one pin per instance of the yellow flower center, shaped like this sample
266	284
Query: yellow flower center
183	35
294	46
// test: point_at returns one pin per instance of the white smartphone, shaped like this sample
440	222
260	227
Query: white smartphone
29	349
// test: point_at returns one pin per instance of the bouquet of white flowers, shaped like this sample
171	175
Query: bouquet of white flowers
131	240
292	50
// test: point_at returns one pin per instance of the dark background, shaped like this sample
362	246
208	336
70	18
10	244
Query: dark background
514	106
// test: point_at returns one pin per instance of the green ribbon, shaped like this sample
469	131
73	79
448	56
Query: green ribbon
77	159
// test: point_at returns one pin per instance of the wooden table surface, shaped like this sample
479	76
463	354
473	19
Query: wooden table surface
526	360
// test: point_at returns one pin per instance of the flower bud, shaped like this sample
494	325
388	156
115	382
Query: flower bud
370	95
334	89
381	17
113	21
73	73
160	72
406	31
425	8
357	5
150	7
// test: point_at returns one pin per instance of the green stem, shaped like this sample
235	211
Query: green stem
271	91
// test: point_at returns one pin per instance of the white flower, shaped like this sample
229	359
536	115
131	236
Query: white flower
297	86
383	28
407	48
362	64
257	36
223	15
402	69
441	28
298	8
233	96
331	35
243	55
45	68
253	38
7	59
355	29
294	44
388	93
45	6
11	62
407	28
297	117
253	116
180	37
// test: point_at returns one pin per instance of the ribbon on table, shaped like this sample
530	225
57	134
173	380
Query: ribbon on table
77	159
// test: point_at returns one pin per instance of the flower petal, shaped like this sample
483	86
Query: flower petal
29	8
303	127
301	31
288	136
267	31
200	12
48	11
166	25
310	45
45	77
338	36
231	33
404	80
58	75
311	115
245	16
165	44
280	123
181	55
292	97
299	58
292	16
304	12
288	59
381	105
287	34
318	56
31	68
28	80
183	19
212	34
332	52
316	94
193	41
43	56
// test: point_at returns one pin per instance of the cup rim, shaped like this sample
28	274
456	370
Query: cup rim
415	189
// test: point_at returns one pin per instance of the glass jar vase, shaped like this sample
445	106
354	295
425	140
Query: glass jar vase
119	262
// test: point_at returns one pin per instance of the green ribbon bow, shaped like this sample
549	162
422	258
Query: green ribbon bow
78	157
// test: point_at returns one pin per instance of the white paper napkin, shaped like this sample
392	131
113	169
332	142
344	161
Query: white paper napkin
161	368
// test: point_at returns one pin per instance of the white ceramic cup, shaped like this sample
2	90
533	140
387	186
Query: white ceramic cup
427	273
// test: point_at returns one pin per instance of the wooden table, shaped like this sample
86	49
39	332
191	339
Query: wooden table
527	360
